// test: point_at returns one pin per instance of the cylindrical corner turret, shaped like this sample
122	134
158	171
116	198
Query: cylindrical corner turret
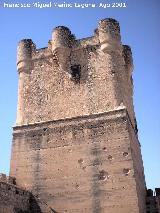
127	55
61	38
109	35
25	50
24	54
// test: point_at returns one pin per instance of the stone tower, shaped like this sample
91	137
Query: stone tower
75	143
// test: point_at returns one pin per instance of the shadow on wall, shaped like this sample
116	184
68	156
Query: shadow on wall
38	206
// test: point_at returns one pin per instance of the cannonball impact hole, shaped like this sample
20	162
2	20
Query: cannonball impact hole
110	157
126	171
80	161
44	129
17	192
103	175
104	149
84	168
77	186
125	154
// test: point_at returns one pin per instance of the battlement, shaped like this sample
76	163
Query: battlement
9	183
25	50
13	198
107	36
153	200
7	179
16	199
13	189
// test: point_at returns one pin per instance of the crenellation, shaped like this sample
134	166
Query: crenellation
12	197
153	201
3	177
41	54
13	189
7	179
83	43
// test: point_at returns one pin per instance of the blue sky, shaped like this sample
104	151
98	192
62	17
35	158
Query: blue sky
140	28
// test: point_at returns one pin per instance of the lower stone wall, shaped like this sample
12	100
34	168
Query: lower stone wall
13	199
82	164
153	201
16	200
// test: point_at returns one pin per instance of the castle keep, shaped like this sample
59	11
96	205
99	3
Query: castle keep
75	145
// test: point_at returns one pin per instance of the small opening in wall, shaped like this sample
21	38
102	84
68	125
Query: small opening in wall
103	175
77	186
84	167
147	202
104	148
110	157
76	73
125	154
80	161
126	171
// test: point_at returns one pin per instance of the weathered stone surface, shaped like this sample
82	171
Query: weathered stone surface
48	86
13	199
82	164
153	201
75	143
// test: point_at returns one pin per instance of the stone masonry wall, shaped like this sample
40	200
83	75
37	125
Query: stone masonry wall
75	142
138	168
153	201
13	199
49	85
50	90
79	165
